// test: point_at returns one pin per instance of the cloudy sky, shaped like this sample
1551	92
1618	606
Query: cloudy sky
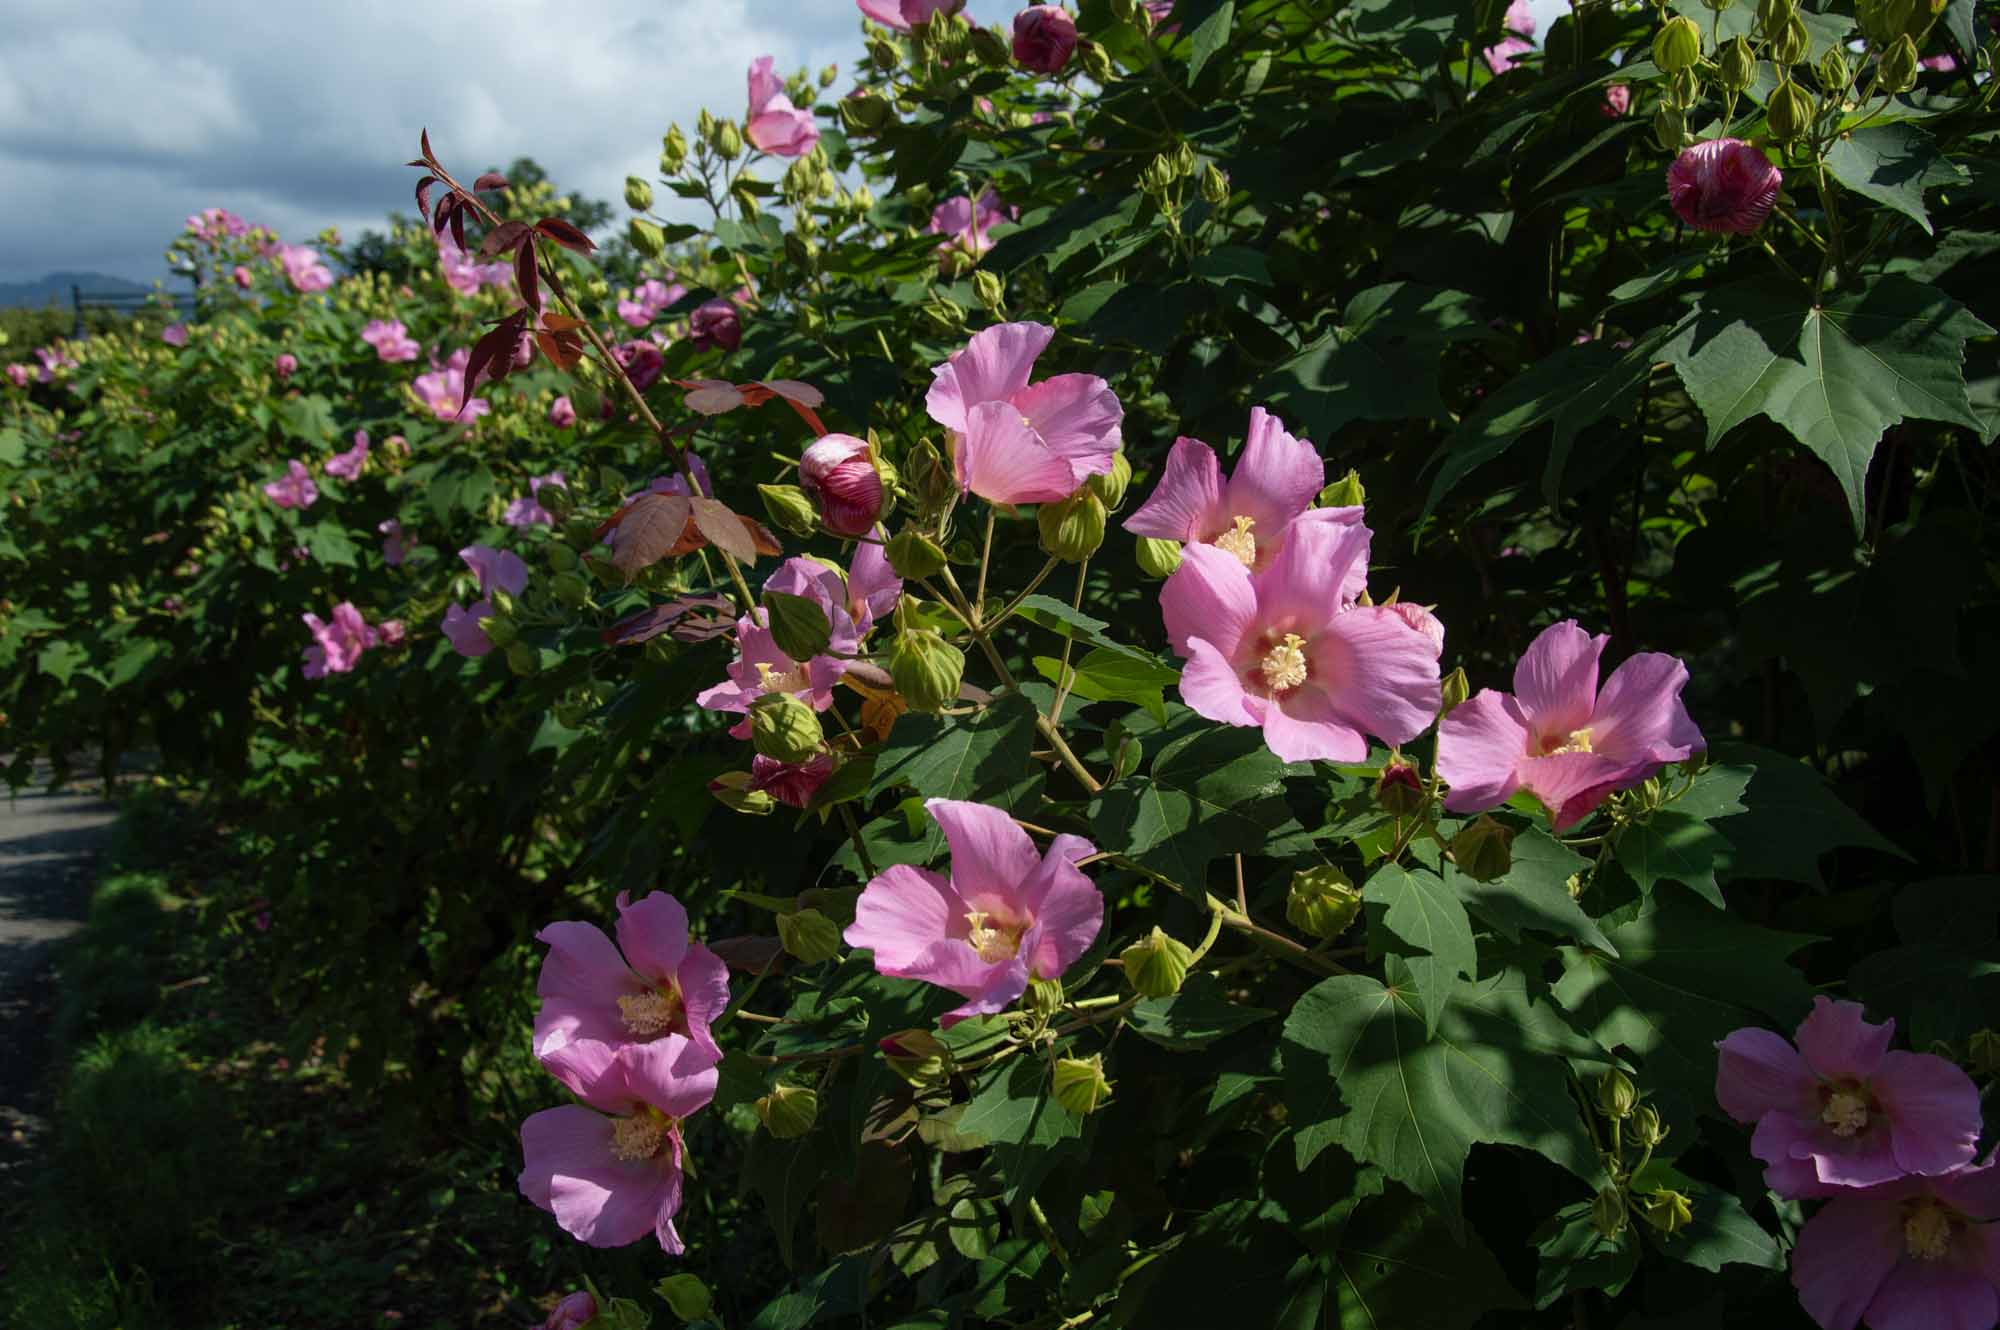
118	118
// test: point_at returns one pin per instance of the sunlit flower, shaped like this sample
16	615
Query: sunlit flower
773	124
1016	442
391	340
295	489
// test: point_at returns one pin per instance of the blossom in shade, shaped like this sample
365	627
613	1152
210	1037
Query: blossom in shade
285	365
1917	1253
872	587
174	334
613	1175
304	268
1723	185
496	570
1282	649
525	511
1560	738
1617	101
655	983
642	361
1841	1109
838	471
574	1312
441	389
762	667
561	414
338	640
648	301
1005	915
902	15
1017	442
1044	38
967	227
295	489
391	340
1520	25
347	465
391	632
791	783
392	541
1249	515
715	323
773	124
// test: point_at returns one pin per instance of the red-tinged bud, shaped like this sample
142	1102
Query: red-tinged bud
715	323
839	473
793	783
1400	791
285	365
572	1313
1044	38
1723	185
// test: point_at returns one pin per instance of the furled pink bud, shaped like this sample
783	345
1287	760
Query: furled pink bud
391	632
1044	37
1723	185
642	361
241	276
1617	101
715	323
793	783
561	414
285	365
572	1313
840	475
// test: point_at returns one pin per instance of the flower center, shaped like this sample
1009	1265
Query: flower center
652	1012
794	680
1846	1112
1927	1232
1239	542
993	942
1576	741
1284	665
642	1135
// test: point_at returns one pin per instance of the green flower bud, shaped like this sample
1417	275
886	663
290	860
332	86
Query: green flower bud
1455	689
1683	89
928	479
789	508
1214	186
1982	1051
686	1296
798	625
919	1057
646	238
1184	160
914	555
1646	1128
1738	64
728	142
789	1111
864	114
1669	128
1072	529
1792	44
1677	45
1616	1095
1667	1211
638	194
1157	964
600	567
1882	21
1158	557
1773	15
1158	176
1399	790
992	290
1607	1212
569	589
883	54
1789	112
1347	492
673	151
1484	850
1097	64
523	659
926	669
1110	486
784	728
828	75
990	48
809	935
946	313
1044	997
562	558
1080	1086
1835	75
1718	5
732	790
499	629
1322	902
1898	69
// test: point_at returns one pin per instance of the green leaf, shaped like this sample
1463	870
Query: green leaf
1684	976
330	544
1934	992
1534	893
1381	363
784	1174
1210	37
1722	1233
1791	818
309	417
954	757
1415	915
1672	844
1193	1018
13	447
854	1214
1360	1074
1835	375
1892	164
1395	1267
1114	676
1029	1131
59	660
1576	1256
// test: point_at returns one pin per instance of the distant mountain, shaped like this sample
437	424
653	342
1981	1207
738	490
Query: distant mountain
55	288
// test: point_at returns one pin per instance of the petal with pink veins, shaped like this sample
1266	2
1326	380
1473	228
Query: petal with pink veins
1209	596
902	911
1480	750
653	934
1378	674
991	367
1839	1041
990	853
1299	738
1555	681
1077	416
1277	477
571	1172
1640	714
1933	1111
1187	503
1003	461
1304	584
1211	686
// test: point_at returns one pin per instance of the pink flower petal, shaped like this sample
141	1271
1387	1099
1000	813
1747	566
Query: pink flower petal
1839	1042
1758	1072
669	1073
1933	1111
1009	981
1276	478
991	367
1210	596
571	1172
1844	1254
1304	738
902	911
704	978
1378	674
1639	713
653	934
1480	749
1788	1172
1003	461
1555	681
1187	503
1305	583
583	965
1867	1159
1069	910
1077	416
1211	686
1934	1295
1572	785
990	854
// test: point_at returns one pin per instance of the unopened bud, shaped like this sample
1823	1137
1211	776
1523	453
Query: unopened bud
1044	997
1157	964
1898	70
1646	1128
523	659
918	1056
1080	1086
1073	528
1667	1211
1110	486
569	589
728	141
991	289
926	669
1607	1212
789	1111
1738	64
784	728
1347	492
686	1296
1158	557
1322	902
915	555
789	508
883	54
1773	15
732	790
1399	790
828	75
1677	45
1670	127
990	48
809	935
646	237
798	625
1616	1095
673	151
1791	44
638	194
1834	73
1096	60
1789	112
928	479
1214	186
1483	850
1454	690
1718	5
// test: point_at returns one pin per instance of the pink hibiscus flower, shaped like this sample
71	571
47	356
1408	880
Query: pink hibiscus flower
1274	485
1561	739
347	465
561	413
338	643
1005	915
967	227
441	389
1723	185
715	323
839	473
304	268
1282	650
1841	1109
902	15
392	540
462	274
773	124
612	1176
494	568
872	587
651	297
525	511
1017	442
1044	38
295	489
761	667
1919	1253
174	334
1520	25
656	982
391	340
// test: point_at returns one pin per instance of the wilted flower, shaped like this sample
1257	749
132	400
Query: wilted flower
304	268
1017	442
902	15
793	783
499	569
1617	101
772	123
1005	915
610	1180
1723	185
838	471
1561	739
967	227
1044	37
1842	1109
524	511
1282	649
295	489
715	323
347	465
391	340
573	1313
642	362
1918	1253
1520	25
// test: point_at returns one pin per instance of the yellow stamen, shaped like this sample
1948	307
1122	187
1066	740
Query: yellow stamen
1927	1232
1846	1112
791	681
640	1136
1577	741
650	1013
993	944
1239	542
1284	665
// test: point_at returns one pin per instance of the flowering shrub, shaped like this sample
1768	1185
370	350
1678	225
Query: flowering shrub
1159	913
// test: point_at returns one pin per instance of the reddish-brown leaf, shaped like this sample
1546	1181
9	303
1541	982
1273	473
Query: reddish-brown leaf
424	196
563	349
560	322
442	217
490	180
566	235
526	278
504	236
494	352
424	140
724	529
688	619
760	536
650	527
458	227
